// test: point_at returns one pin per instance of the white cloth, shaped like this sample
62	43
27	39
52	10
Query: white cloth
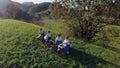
41	32
58	39
66	41
61	46
45	37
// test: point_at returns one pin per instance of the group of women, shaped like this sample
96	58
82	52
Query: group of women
61	45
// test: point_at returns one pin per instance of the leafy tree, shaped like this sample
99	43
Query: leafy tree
112	13
84	18
38	8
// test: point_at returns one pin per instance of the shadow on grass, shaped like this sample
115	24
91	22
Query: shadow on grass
88	60
111	48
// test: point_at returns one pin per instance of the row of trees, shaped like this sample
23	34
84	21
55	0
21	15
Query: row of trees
85	18
39	8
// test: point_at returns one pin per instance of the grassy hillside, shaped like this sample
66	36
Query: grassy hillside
19	48
109	36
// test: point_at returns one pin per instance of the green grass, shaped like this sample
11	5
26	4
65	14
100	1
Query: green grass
109	36
20	49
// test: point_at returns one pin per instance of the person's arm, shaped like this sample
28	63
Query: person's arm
39	31
50	34
56	40
61	39
47	35
69	42
61	45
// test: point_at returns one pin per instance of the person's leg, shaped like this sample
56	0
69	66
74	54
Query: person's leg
43	34
68	49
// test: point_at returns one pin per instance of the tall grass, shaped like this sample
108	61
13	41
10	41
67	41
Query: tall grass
20	49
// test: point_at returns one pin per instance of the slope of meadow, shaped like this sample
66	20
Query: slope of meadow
19	48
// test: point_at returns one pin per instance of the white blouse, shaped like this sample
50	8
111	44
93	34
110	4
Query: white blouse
49	35
58	39
66	41
41	32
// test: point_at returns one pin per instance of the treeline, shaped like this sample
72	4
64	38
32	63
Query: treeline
27	11
85	18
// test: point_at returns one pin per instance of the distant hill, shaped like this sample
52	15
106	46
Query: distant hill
40	8
27	5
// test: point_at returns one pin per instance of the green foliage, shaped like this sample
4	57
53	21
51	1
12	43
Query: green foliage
38	8
19	48
55	11
81	23
109	37
85	18
109	13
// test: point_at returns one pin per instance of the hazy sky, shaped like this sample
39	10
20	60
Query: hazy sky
35	1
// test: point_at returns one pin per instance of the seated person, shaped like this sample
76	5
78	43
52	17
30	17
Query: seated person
65	46
48	36
41	33
58	40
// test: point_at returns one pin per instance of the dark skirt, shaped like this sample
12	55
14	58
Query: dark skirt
49	38
58	43
66	49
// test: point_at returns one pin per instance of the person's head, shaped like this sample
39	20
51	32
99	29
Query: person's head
49	31
59	35
40	28
67	37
